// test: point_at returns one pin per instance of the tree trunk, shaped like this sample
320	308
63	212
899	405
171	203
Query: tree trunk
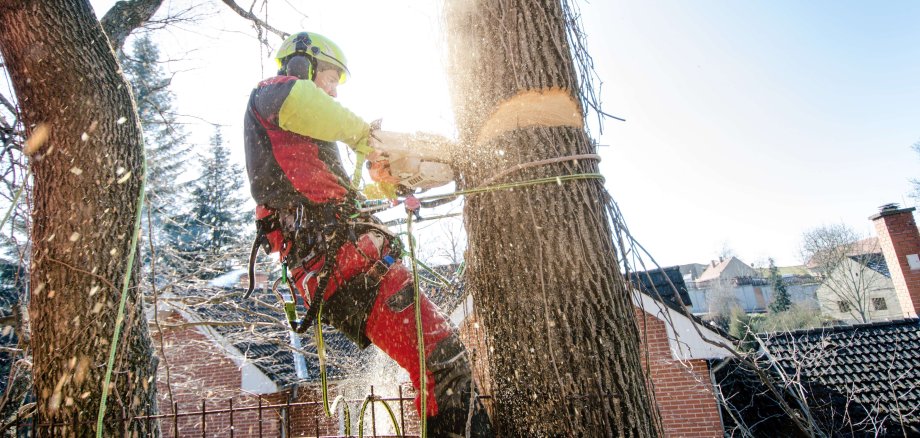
87	179
542	264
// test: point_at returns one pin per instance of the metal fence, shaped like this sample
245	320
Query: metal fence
261	419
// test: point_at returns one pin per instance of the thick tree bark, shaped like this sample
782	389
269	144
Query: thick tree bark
87	178
125	16
542	264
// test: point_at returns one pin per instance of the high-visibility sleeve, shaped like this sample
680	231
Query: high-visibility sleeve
309	111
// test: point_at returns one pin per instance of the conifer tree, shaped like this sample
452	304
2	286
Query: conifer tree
215	221
781	302
165	141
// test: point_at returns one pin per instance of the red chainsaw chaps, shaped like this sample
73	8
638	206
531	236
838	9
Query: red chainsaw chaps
391	330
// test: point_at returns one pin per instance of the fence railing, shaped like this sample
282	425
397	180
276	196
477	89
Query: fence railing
262	419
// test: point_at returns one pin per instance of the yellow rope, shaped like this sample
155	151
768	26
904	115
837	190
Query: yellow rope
120	318
420	337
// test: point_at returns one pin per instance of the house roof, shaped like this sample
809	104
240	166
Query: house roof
661	283
266	342
693	269
727	265
786	271
869	245
876	366
874	261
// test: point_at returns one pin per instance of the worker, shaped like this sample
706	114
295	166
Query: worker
339	258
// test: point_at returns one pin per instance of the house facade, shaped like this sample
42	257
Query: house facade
871	284
860	289
856	380
731	283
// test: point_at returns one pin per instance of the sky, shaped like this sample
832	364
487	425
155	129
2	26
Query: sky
747	123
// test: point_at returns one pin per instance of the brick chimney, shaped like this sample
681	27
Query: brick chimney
900	241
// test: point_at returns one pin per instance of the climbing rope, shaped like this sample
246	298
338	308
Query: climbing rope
419	333
120	318
16	198
371	399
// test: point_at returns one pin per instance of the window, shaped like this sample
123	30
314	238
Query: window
879	304
844	306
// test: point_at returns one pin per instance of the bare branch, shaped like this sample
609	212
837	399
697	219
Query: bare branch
251	17
125	16
247	324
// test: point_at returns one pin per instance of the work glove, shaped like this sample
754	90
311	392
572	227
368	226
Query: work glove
373	142
380	190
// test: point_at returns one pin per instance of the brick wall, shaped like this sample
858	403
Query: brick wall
200	369
683	391
899	237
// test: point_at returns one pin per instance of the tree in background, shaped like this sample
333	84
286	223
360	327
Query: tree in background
165	141
723	303
215	221
15	191
165	145
843	260
781	301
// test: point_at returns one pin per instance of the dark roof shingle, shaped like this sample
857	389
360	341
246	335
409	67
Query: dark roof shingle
876	365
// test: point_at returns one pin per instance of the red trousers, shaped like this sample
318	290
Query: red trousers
391	323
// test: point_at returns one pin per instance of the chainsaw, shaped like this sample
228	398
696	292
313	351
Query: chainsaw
412	161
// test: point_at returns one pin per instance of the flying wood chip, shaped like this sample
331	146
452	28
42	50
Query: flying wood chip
37	139
548	107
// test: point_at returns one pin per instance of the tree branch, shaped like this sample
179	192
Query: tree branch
125	16
250	16
183	325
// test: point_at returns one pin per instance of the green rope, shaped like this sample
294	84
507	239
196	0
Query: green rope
16	198
321	354
440	277
368	400
420	337
119	320
514	185
290	307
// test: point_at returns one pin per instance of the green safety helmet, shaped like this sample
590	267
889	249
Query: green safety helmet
316	48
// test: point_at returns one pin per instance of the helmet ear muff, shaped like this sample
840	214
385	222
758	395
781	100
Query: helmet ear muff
299	65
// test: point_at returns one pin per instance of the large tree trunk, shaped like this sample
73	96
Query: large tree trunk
542	264
87	178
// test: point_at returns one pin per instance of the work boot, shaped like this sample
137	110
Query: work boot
451	423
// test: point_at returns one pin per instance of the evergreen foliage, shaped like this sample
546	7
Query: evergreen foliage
781	301
165	141
215	221
741	327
